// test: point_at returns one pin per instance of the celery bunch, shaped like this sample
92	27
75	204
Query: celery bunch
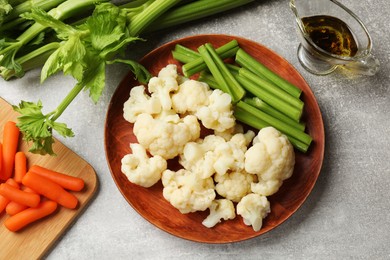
50	34
260	97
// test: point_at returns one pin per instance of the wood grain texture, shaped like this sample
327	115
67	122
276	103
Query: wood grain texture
150	203
36	240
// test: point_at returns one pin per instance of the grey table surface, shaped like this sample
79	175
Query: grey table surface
347	215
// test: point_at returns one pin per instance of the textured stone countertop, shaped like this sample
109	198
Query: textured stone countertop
347	215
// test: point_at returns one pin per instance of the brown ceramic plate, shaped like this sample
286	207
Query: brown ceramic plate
150	203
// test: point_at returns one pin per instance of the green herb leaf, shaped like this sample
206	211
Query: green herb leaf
37	127
107	26
94	76
5	8
139	71
7	60
68	57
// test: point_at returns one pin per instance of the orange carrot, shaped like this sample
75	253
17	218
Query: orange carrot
20	166
3	200
3	203
50	190
65	181
1	159
19	196
28	216
13	183
14	207
10	145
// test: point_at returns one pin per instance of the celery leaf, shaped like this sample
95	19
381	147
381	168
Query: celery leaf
5	8
107	26
139	71
37	127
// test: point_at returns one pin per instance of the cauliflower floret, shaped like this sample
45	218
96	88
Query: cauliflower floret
191	96
234	185
253	208
199	156
218	115
229	156
228	133
272	158
266	188
219	209
195	158
140	169
187	191
163	138
243	139
162	86
139	102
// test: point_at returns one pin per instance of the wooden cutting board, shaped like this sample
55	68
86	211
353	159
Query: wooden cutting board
36	240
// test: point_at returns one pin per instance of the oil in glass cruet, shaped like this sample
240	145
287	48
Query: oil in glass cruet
331	34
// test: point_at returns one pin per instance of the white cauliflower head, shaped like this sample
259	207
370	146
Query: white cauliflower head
187	191
218	115
272	158
234	185
199	156
229	156
163	138
253	208
228	133
192	95
219	209
162	85
139	102
140	169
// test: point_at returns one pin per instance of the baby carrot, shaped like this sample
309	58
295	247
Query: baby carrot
19	196
13	183
65	181
1	159
28	216
3	203
50	190
20	166
10	145
14	207
3	200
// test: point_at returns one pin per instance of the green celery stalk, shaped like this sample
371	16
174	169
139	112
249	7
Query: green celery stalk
62	11
247	61
201	66
186	51
209	80
32	59
26	6
179	56
278	124
272	88
225	51
258	103
237	91
184	54
270	99
143	19
193	11
197	10
255	122
223	85
15	2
